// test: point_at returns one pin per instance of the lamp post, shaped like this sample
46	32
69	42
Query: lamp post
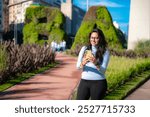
15	31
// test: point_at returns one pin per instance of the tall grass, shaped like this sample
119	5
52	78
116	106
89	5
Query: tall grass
3	59
22	59
121	69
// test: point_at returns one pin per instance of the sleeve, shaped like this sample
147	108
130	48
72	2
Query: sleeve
104	64
80	56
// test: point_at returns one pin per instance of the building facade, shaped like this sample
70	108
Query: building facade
74	16
139	24
1	19
17	9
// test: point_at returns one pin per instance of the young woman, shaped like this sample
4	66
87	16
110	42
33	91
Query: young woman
93	60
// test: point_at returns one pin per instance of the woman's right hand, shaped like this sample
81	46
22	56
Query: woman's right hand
85	60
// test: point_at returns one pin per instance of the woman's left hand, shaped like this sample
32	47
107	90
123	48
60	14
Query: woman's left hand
92	59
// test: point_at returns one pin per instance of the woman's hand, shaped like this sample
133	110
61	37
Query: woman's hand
92	59
85	60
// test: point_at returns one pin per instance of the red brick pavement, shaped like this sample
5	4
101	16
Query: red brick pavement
55	84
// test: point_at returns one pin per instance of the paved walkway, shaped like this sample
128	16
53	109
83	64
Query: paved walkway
58	84
142	93
55	84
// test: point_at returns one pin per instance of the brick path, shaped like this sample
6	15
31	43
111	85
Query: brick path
55	84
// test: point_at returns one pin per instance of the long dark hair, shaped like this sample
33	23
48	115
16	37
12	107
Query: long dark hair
102	45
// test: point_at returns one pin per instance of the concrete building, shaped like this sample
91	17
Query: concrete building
66	9
55	3
139	23
17	9
74	16
6	15
1	19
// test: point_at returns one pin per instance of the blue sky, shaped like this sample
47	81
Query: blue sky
119	10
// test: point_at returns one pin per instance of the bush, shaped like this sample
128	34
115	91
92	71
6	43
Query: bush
100	16
43	21
143	46
130	53
122	69
25	58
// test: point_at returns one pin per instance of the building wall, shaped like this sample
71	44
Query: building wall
78	15
17	9
66	9
74	17
1	15
1	19
17	13
139	23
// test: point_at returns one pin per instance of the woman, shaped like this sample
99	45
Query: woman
93	60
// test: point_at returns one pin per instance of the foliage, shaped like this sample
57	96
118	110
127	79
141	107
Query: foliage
25	58
3	58
143	46
100	16
130	53
57	35
124	90
41	20
121	70
122	38
116	52
118	73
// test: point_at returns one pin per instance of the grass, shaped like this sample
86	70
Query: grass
122	70
21	77
124	90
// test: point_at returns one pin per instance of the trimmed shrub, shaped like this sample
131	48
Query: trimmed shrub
100	16
43	20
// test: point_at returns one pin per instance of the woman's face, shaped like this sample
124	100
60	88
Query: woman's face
94	39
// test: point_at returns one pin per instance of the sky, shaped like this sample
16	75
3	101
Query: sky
119	10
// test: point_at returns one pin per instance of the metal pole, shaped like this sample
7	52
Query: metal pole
14	33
